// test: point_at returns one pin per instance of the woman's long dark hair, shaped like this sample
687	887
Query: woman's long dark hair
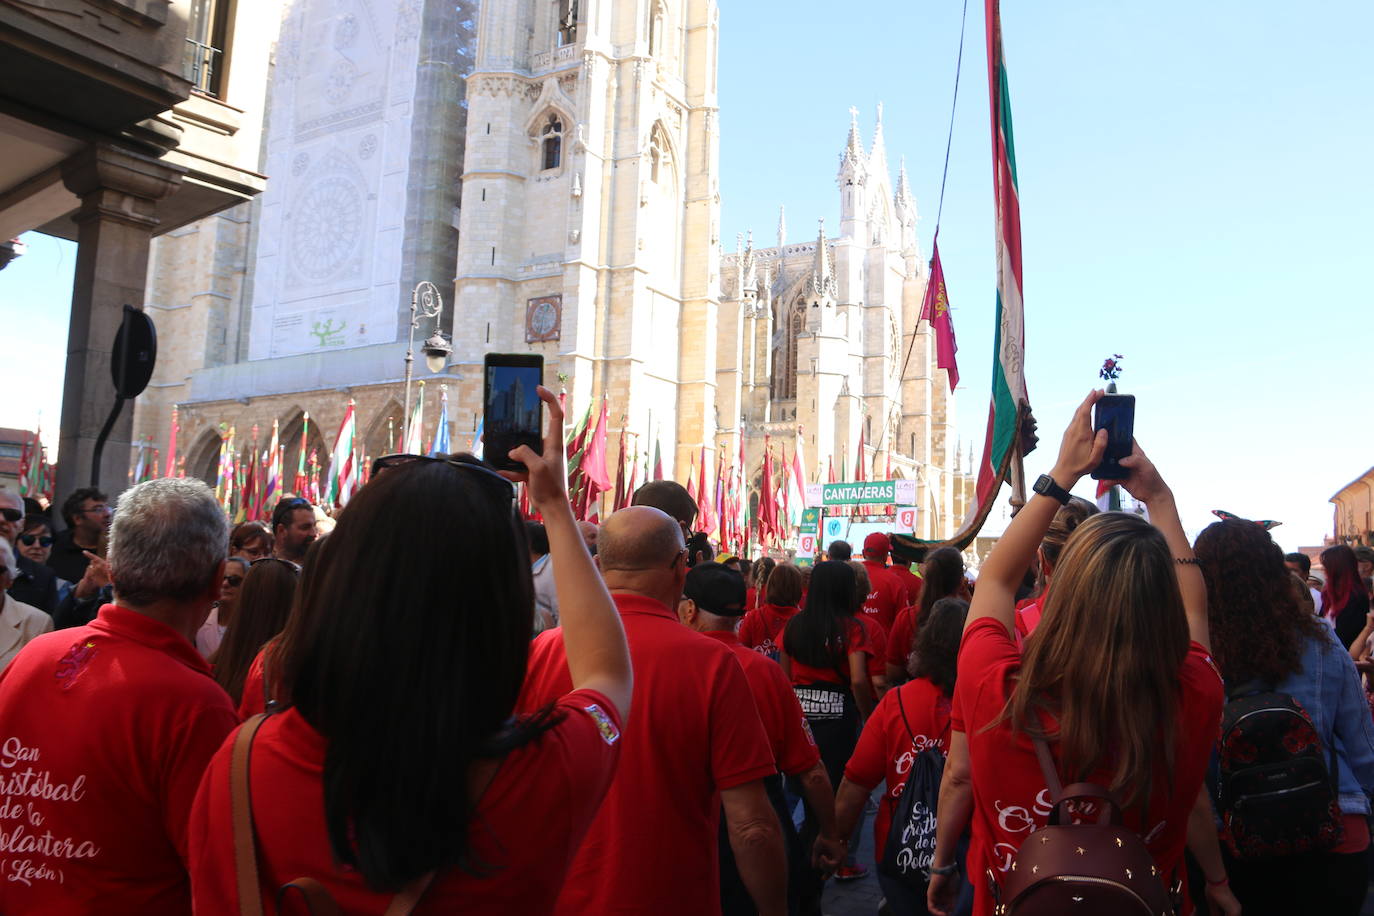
936	655
816	636
410	655
263	605
1342	578
1256	622
941	576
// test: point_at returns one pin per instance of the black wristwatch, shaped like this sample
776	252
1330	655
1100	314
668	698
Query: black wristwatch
1046	486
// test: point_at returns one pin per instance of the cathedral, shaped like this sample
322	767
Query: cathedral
552	166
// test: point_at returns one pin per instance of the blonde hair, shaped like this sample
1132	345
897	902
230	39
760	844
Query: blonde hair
1105	657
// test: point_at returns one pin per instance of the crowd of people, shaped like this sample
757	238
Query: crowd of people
431	704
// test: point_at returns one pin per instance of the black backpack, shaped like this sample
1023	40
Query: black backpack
910	847
1276	785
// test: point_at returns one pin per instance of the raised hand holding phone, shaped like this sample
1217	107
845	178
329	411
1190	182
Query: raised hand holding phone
1116	414
510	402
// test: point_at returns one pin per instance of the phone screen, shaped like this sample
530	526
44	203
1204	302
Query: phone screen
1116	414
512	411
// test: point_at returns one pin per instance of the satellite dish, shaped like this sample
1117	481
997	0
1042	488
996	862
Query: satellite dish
135	353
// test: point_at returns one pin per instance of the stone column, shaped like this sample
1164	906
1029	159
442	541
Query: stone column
119	191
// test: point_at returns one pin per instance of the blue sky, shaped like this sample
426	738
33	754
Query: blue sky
1195	190
1195	194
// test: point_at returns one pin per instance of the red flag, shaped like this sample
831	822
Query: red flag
768	509
935	309
594	463
172	446
706	520
830	462
621	499
692	478
658	461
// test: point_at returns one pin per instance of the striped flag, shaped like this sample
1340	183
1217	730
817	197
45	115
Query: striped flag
343	467
1009	342
301	485
272	485
415	432
796	481
440	445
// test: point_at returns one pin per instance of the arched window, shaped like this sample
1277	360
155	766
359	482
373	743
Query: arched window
656	17
551	146
784	387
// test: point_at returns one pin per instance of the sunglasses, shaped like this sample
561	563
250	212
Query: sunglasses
233	581
11	515
28	540
390	462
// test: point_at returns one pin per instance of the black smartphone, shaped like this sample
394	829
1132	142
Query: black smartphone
512	412
1116	414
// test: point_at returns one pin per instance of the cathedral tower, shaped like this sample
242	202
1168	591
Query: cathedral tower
588	228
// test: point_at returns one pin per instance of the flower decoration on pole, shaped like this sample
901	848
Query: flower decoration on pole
1111	368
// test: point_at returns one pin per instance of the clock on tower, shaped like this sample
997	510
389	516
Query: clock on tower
544	319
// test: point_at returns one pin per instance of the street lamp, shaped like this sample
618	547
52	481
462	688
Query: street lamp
425	302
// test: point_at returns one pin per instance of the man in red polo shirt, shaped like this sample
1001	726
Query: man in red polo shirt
713	600
690	748
887	594
106	729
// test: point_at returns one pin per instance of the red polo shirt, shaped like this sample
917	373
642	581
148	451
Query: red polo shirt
761	629
254	697
527	826
652	846
886	594
794	748
899	638
909	580
105	731
890	743
855	637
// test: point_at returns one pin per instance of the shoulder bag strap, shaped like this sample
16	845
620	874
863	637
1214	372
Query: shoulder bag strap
902	709
1042	753
241	808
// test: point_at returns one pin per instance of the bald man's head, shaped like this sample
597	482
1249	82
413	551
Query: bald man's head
639	538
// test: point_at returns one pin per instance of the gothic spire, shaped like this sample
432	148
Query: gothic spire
822	277
853	169
782	225
877	159
904	197
748	282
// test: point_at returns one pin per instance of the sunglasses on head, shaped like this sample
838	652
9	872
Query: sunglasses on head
11	515
389	462
43	540
287	563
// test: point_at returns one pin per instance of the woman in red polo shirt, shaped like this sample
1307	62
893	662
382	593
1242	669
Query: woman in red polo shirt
761	629
397	769
1116	679
909	719
942	576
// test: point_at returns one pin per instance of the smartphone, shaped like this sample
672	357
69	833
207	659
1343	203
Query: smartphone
1116	414
512	412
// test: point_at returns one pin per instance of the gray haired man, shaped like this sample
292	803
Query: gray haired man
105	729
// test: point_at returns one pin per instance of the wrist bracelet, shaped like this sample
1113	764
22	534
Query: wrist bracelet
1222	883
944	870
1191	561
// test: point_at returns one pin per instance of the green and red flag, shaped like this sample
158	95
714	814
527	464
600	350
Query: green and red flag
1009	342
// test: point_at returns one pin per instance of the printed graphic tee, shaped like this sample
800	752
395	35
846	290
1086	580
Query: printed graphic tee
889	745
1010	799
105	732
528	823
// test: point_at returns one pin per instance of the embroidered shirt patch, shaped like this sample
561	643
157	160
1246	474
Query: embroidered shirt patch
609	733
73	663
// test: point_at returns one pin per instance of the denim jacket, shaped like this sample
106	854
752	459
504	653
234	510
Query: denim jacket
1329	688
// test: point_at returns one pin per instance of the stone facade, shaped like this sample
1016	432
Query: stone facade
588	232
